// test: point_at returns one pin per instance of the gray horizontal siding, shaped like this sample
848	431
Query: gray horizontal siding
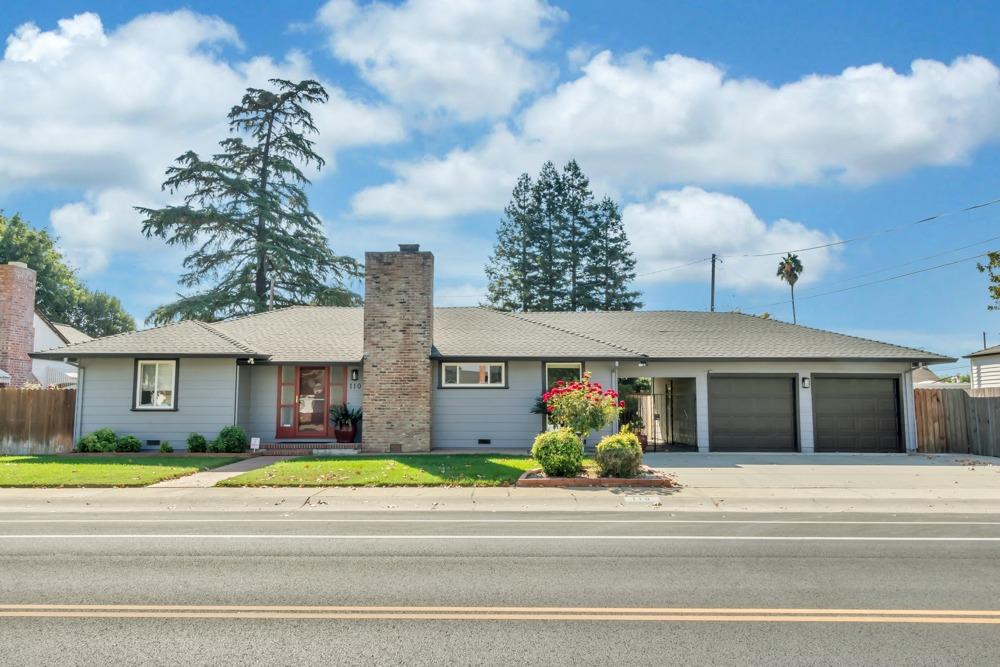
463	416
262	406
205	400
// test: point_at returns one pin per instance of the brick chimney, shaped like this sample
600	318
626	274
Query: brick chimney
17	326
398	330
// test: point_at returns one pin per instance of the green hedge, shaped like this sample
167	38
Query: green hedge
101	440
231	439
559	452
196	442
619	455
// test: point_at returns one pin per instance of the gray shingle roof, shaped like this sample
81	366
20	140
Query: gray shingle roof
985	352
479	332
71	333
702	335
302	333
308	334
187	339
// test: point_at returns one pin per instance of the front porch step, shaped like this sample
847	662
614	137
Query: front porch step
306	448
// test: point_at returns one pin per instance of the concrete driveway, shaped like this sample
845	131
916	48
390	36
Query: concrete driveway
924	479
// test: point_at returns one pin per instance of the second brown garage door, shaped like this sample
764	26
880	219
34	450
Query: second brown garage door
857	414
749	413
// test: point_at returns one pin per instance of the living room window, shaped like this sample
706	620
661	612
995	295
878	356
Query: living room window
155	384
565	371
474	374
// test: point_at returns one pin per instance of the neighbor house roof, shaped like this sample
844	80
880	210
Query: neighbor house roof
70	334
308	334
985	352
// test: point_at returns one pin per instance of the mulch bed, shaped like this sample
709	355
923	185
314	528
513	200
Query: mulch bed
648	477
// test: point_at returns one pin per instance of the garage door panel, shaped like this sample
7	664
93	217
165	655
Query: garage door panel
856	414
752	413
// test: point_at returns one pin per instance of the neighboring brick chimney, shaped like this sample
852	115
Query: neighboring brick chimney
399	330
17	327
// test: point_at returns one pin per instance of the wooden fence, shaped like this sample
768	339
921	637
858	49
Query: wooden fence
36	421
958	421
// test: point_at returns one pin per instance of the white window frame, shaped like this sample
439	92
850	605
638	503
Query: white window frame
137	390
449	385
561	364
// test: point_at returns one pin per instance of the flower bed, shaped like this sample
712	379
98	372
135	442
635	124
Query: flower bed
647	477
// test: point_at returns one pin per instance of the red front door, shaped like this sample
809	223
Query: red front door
303	401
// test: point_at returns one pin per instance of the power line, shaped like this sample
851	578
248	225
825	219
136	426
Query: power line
674	268
874	282
887	230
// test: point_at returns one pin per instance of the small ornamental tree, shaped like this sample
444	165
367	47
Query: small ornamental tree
582	406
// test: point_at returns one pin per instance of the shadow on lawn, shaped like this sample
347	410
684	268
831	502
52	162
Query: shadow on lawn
202	463
457	466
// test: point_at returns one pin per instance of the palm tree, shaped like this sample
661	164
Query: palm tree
788	270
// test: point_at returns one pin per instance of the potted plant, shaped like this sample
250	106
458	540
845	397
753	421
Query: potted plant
345	422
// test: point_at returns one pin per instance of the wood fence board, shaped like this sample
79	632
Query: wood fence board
36	421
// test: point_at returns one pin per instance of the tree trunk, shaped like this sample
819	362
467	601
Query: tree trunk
260	285
794	318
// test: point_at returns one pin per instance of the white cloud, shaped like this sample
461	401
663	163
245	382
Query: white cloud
467	58
108	111
678	226
636	124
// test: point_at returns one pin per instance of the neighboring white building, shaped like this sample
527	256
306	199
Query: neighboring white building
984	371
48	336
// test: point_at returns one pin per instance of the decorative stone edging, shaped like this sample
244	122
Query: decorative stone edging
548	482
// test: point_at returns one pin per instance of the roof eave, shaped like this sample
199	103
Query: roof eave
68	354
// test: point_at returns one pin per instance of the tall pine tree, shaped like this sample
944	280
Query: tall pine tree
247	216
512	267
611	264
557	249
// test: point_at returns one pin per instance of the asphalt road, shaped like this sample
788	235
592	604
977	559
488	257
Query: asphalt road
451	588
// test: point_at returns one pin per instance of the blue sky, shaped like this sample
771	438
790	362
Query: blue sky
737	128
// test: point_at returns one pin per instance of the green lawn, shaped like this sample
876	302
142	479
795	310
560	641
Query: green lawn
420	470
48	471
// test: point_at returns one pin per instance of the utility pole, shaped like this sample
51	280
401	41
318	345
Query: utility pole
713	282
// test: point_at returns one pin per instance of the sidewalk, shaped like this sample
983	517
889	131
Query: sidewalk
209	478
323	500
896	483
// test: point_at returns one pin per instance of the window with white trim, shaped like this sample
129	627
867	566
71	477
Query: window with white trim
473	374
155	384
565	371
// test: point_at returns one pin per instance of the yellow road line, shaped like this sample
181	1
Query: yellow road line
622	614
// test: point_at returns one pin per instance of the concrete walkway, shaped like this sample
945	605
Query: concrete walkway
209	478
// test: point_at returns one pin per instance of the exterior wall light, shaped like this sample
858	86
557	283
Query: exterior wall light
354	375
805	383
643	364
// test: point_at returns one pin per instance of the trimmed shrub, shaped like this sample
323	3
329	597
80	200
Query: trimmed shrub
166	447
619	455
128	443
231	439
196	442
559	452
101	440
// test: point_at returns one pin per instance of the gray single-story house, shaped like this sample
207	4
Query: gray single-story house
439	378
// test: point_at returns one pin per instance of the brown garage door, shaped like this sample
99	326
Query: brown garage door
751	414
857	414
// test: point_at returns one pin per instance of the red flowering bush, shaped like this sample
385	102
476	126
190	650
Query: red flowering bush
582	406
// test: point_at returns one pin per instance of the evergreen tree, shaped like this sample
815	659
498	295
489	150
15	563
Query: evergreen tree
549	288
512	266
559	250
573	237
256	241
59	295
611	264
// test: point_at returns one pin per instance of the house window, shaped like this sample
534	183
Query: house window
567	372
486	374
156	384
